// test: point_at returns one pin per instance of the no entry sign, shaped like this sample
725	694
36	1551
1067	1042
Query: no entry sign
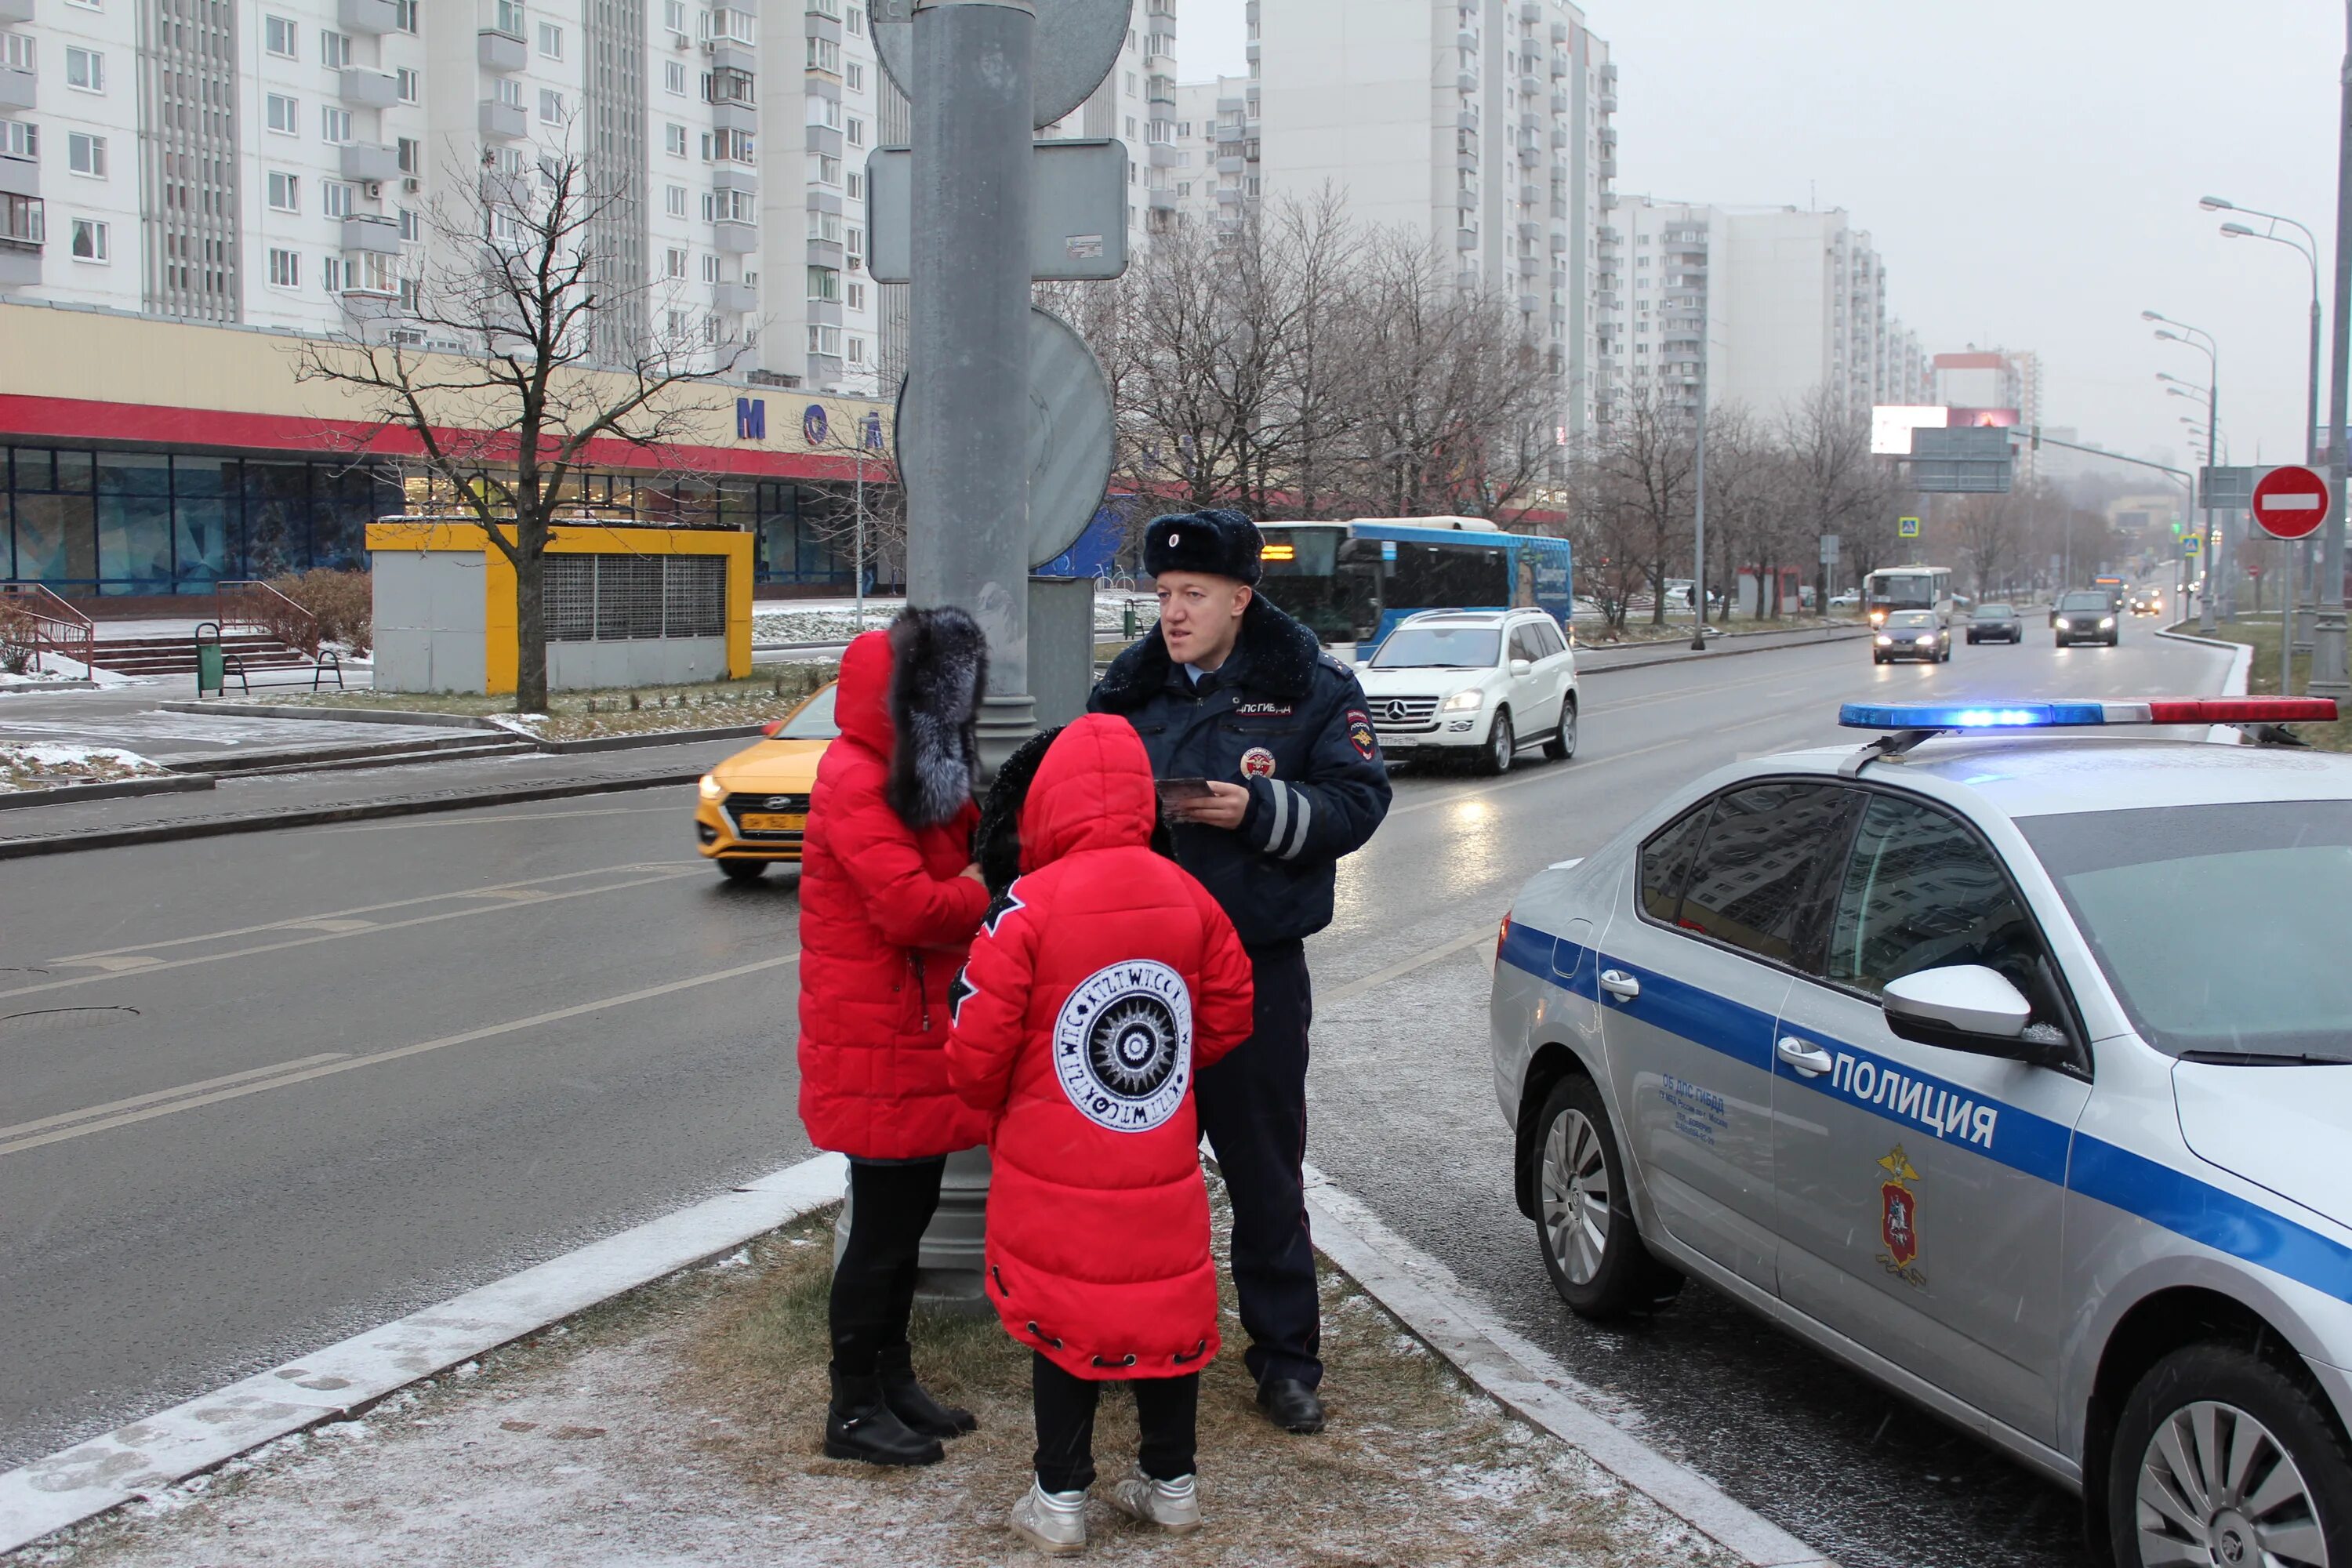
2289	503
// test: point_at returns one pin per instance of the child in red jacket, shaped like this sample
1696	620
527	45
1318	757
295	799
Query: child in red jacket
1103	978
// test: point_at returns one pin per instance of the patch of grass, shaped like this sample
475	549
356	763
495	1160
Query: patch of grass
771	691
2262	636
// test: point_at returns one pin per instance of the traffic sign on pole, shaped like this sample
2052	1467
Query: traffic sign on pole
2192	544
2289	503
1907	527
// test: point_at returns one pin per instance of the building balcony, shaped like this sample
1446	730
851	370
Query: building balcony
1559	242
16	11
1468	38
503	53
367	160
19	177
372	17
364	88
826	369
1530	156
1466	201
1529	86
1558	102
825	312
1530	10
15	88
1607	167
827	253
735	298
1466	239
1529	304
1162	155
504	122
1232	166
1559	68
20	264
741	117
1230	135
1559	32
726	54
820	26
1467	81
1161	201
365	233
1607	103
733	236
735	177
1228	195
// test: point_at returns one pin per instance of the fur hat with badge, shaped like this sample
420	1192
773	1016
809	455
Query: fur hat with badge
1219	543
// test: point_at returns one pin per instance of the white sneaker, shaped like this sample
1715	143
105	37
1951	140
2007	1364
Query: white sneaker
1052	1522
1171	1505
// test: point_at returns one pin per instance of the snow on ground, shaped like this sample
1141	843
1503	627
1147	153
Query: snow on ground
44	767
678	1427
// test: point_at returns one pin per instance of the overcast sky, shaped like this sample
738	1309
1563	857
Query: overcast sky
2030	172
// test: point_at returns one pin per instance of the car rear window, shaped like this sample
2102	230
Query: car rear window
2084	602
1996	611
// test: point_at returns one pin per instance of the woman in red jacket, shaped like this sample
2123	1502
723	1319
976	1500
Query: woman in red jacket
890	900
1103	978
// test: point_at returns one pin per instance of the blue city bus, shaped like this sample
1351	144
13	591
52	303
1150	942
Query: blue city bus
1353	582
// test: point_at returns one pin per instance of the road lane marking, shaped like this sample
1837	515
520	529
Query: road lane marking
327	1068
159	967
136	1100
1398	971
111	963
453	821
497	889
1574	769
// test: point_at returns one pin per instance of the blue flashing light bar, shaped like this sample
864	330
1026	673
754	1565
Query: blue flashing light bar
1971	716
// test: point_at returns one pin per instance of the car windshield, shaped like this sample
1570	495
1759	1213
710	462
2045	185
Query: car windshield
814	722
2098	602
1910	618
2220	926
1440	647
1994	612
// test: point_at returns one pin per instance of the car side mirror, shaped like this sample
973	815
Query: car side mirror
1966	1007
772	726
1521	666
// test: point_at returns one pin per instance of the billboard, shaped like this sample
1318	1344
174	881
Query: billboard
1891	425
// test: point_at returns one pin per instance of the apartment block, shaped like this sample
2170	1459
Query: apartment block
1778	300
1485	125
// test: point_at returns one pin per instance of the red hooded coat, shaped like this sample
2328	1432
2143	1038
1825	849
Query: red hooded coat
887	917
1107	977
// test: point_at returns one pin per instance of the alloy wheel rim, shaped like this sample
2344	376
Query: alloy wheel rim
2216	1487
1502	742
1567	729
1576	1214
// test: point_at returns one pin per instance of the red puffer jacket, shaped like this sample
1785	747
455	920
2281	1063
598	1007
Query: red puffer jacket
886	915
1103	980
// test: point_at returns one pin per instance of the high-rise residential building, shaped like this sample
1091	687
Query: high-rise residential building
1790	301
1906	376
1206	167
1990	383
1483	124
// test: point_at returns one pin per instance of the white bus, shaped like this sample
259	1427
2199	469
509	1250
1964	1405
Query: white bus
1909	588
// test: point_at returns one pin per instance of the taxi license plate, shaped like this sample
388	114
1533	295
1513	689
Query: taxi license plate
774	821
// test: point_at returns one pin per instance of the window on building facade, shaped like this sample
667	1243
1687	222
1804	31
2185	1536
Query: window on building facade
854	296
853	132
674	200
334	49
285	192
85	155
88	240
285	269
331	274
411	226
550	41
674	17
282	113
407	85
856	186
509	92
825	340
403	14
825	55
550	107
675	265
411	155
856	351
334	125
856	21
20	139
674	139
335	198
825	283
855	77
710	269
674	76
278	37
824	169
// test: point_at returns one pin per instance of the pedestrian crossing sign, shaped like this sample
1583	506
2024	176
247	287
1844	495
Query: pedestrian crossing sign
1907	527
2192	544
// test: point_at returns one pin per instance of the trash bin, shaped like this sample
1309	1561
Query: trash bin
212	669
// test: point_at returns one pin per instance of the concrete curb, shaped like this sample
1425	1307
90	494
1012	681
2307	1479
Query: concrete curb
2241	666
117	790
35	687
327	816
137	1461
347	715
1842	634
650	738
1521	1377
229	763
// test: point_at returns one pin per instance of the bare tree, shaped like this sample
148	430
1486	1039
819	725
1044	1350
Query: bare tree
524	341
1640	496
1835	482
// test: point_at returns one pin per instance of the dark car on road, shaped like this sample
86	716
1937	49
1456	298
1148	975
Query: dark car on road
1911	634
2085	615
1996	621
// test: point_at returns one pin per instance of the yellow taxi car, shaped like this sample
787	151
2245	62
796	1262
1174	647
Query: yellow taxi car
755	806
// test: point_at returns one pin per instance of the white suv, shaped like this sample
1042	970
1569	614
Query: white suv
1482	682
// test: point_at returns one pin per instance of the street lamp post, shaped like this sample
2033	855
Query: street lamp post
1698	507
2328	677
2212	352
2308	248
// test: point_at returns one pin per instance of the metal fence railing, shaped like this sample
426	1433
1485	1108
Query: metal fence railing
264	609
34	618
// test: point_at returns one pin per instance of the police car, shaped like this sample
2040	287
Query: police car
2004	1061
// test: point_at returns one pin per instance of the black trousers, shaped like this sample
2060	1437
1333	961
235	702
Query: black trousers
1252	1106
1167	1408
891	1204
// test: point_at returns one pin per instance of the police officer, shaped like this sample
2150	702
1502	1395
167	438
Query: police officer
1230	689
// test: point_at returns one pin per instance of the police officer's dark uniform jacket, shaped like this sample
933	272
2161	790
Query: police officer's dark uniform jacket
1287	721
1290	725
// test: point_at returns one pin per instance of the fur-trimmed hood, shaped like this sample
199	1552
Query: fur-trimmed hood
1278	656
910	694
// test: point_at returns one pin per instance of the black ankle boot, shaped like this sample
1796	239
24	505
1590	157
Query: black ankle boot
861	1425
910	1404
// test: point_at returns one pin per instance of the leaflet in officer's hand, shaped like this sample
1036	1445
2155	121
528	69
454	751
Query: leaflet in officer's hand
1175	794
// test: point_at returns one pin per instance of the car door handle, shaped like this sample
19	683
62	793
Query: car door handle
1620	984
1804	1056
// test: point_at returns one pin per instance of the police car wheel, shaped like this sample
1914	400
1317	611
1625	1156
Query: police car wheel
2221	1456
1562	744
744	870
1502	746
1590	1247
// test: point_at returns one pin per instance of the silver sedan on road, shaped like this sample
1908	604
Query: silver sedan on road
2012	1069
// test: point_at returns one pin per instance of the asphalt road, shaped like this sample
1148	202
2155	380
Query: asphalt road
259	1093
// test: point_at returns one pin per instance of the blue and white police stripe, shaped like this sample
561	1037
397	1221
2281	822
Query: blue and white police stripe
1293	814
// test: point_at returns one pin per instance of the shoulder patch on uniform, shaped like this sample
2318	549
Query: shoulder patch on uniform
1362	735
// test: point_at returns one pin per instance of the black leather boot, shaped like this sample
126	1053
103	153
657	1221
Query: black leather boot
861	1425
910	1404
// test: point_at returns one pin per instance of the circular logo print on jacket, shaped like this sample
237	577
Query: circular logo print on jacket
1258	762
1123	1045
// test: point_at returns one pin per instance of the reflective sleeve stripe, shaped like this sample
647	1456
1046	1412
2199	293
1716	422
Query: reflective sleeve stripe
1305	818
1281	793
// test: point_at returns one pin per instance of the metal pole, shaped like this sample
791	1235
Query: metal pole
967	349
857	567
2327	672
2212	542
1698	508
